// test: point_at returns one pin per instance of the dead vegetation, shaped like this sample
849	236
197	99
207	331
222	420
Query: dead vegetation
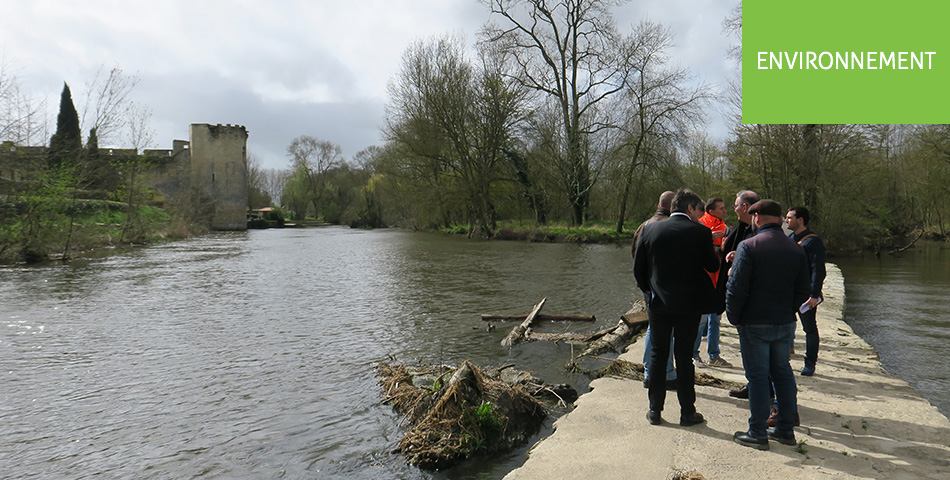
457	414
623	369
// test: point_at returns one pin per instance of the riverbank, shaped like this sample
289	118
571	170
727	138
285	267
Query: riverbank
857	422
590	232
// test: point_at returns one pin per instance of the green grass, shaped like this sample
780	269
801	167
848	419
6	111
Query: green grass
589	232
79	228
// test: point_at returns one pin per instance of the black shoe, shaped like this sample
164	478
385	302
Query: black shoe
743	438
672	384
783	438
740	393
653	417
694	418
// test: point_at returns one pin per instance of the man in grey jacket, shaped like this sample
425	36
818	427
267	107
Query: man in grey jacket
768	282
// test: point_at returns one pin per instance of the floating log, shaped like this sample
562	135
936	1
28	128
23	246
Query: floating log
617	337
540	318
905	247
517	334
559	337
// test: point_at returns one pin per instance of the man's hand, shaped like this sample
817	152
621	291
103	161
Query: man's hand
729	256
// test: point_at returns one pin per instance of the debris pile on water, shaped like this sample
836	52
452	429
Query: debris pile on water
472	412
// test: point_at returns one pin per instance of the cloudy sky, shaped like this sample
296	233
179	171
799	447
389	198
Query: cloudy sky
281	68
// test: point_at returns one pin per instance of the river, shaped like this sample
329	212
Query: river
252	355
900	305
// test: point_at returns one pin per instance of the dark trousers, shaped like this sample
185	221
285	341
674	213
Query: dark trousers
810	326
683	329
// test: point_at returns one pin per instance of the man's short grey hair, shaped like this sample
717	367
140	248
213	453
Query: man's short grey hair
748	196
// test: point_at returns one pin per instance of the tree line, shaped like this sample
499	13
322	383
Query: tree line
556	116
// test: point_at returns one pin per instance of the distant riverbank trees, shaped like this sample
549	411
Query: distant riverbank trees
501	136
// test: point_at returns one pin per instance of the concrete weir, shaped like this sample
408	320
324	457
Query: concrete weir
857	421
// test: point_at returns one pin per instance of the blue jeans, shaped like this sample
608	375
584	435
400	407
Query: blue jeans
810	326
648	352
765	354
709	325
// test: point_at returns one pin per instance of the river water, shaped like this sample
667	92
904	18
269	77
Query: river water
252	355
900	305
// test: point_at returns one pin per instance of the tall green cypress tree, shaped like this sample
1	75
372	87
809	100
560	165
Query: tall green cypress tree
66	144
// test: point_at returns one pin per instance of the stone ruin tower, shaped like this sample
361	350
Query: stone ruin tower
219	171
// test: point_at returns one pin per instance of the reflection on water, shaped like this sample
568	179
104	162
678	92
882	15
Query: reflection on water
899	305
252	355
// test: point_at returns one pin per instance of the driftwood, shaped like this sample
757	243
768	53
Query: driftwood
617	337
558	337
540	318
517	334
613	338
905	247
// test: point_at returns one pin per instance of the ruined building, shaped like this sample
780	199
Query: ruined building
207	174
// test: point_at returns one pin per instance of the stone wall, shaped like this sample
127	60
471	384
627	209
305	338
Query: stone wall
207	173
219	172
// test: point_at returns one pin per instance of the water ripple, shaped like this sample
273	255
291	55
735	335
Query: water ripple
253	355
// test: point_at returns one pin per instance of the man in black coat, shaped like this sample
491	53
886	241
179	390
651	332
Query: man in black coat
670	265
769	280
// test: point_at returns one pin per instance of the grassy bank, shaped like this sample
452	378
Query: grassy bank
33	231
589	232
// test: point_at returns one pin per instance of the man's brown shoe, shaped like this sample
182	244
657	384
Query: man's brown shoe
773	417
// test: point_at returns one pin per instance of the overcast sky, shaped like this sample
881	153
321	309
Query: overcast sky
281	68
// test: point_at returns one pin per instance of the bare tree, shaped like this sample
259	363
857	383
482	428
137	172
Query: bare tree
140	136
274	181
108	103
257	196
311	159
569	51
659	105
732	25
367	157
456	116
23	119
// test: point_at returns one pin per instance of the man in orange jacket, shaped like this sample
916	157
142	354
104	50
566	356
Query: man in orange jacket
715	219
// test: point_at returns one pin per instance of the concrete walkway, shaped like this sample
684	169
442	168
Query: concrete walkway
857	422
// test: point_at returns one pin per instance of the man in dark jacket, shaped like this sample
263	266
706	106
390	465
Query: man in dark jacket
662	213
797	221
768	282
742	231
670	265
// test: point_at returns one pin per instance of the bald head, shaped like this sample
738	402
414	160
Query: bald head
666	199
744	200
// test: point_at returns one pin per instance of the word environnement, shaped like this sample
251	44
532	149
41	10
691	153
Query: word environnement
845	60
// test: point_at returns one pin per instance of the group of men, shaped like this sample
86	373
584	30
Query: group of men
691	267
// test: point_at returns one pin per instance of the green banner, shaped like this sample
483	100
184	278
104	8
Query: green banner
845	61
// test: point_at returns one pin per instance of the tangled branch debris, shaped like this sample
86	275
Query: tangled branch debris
471	413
